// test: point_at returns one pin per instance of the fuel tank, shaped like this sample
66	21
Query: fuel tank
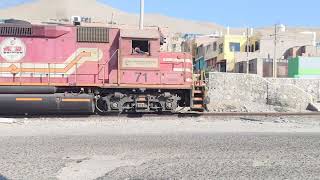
39	104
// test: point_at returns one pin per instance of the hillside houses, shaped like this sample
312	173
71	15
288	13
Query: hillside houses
254	52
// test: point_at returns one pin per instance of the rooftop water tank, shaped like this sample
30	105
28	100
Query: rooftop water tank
281	28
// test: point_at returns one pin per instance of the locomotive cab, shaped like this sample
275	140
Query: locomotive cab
139	56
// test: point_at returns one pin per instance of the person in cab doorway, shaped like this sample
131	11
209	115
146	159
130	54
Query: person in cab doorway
137	50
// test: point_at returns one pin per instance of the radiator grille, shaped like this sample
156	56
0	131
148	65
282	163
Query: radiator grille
93	34
15	31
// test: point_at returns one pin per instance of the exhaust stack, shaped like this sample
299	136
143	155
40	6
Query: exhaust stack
141	14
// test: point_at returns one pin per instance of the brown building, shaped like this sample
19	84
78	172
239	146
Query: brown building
262	47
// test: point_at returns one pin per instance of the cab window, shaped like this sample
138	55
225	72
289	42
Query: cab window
141	47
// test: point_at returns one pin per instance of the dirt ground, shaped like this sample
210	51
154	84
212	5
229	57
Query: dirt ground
160	148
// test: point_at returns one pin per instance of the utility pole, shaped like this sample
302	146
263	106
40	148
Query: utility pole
112	16
247	48
275	73
141	14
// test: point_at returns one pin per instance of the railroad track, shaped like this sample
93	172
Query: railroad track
185	114
261	114
227	114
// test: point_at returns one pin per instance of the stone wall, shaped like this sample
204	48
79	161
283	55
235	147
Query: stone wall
311	86
231	92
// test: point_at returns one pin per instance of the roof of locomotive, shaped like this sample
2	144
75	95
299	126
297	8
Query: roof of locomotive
138	33
125	32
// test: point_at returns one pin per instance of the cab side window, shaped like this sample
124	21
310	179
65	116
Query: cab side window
141	47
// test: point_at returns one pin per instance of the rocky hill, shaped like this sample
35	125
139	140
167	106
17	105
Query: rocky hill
46	10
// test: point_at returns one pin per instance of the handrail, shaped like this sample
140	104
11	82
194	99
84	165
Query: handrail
104	66
110	58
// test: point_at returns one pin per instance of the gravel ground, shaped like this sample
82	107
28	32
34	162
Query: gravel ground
158	148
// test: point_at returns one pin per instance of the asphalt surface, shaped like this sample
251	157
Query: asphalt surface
167	156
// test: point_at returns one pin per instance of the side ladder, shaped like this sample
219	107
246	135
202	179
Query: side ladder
199	93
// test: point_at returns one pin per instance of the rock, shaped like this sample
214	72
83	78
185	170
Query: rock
315	107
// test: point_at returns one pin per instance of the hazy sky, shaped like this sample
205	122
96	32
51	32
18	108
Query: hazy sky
234	13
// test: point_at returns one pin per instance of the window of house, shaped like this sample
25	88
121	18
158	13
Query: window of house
251	67
208	48
257	44
209	62
234	47
303	49
252	48
220	48
198	52
248	48
214	46
140	47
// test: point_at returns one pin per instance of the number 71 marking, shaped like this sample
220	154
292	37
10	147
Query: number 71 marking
142	74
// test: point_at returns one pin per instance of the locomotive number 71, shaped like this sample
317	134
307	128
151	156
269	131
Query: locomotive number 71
140	75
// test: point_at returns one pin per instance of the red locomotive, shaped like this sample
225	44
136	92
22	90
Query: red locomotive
82	69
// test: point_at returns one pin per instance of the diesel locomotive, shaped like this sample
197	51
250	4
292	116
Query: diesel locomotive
51	68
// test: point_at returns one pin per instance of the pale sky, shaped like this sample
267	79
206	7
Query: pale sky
234	13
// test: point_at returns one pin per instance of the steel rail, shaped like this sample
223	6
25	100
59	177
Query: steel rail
276	114
180	114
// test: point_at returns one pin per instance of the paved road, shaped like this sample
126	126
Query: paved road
170	156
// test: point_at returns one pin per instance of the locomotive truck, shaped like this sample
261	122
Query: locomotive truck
84	69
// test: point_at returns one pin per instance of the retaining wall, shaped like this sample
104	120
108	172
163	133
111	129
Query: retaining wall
231	92
311	86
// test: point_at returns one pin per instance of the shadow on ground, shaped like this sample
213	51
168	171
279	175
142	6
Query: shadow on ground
3	178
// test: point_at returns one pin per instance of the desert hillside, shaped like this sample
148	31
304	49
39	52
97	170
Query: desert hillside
44	10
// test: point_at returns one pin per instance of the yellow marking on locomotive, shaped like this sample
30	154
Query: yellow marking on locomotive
29	99
14	69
